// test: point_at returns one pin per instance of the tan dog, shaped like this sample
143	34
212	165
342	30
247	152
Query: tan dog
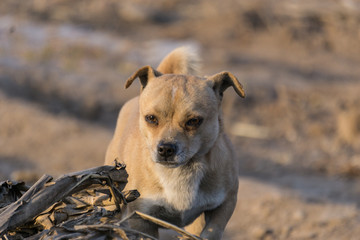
178	157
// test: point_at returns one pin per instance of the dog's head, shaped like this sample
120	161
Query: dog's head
180	114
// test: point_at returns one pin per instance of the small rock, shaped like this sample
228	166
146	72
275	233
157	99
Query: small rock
348	125
261	232
285	231
299	215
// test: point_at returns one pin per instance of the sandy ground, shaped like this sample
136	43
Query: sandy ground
297	134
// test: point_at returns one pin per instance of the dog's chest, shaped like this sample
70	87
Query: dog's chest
182	209
183	198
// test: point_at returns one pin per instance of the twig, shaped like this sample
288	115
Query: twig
167	225
138	232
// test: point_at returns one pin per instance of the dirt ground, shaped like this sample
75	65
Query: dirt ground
63	65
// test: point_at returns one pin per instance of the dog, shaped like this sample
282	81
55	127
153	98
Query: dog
177	155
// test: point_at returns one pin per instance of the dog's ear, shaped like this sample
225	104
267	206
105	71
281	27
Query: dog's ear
221	81
145	74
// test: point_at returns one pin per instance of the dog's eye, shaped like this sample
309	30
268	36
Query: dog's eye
151	119
194	122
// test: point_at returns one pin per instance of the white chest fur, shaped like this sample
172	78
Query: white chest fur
182	192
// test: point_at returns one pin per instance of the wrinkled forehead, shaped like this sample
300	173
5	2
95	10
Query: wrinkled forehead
179	93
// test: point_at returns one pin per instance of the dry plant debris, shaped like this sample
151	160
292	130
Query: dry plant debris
80	205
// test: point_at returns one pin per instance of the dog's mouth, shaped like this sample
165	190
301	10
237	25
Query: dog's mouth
169	154
169	164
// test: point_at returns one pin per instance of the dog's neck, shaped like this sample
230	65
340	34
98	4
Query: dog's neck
181	184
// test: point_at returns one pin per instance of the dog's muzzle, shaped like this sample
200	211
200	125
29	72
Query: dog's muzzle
166	153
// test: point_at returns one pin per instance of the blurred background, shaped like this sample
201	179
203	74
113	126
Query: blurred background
63	65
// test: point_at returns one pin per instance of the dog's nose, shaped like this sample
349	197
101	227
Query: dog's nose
166	149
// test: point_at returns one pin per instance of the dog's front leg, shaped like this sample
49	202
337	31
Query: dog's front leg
138	223
144	226
217	218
